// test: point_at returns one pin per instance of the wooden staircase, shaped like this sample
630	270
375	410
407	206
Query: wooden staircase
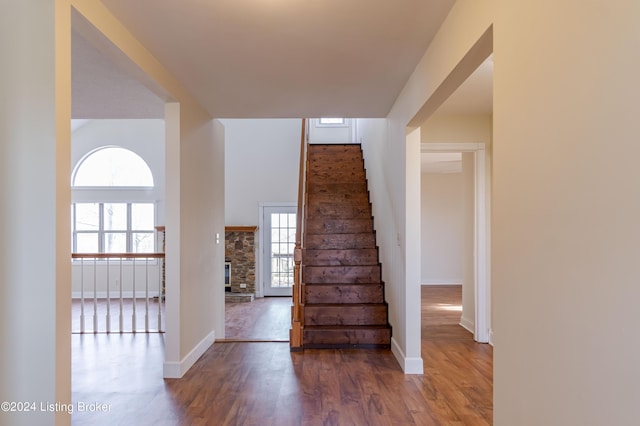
342	289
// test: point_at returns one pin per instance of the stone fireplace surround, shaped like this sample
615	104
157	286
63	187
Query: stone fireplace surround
240	252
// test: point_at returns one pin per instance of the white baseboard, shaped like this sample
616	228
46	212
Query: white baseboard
114	295
441	282
468	324
408	365
491	337
175	370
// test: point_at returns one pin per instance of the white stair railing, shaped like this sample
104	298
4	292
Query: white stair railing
101	290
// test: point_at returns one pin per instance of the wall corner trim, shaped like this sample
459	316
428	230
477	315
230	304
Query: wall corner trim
175	370
408	365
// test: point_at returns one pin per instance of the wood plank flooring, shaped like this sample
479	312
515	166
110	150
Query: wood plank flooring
263	383
264	319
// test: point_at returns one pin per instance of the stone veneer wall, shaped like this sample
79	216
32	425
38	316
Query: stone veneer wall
240	250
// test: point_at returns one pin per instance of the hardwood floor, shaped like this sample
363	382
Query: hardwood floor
263	383
264	319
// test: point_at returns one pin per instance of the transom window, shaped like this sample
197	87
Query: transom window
332	121
112	167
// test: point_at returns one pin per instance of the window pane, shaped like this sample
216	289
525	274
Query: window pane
142	217
115	217
87	242
142	242
115	242
87	216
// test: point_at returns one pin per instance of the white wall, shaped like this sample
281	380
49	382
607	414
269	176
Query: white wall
566	209
385	162
442	213
35	283
262	159
565	234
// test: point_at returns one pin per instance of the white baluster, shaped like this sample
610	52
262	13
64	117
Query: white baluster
95	295
146	294
121	301
82	295
108	300
133	317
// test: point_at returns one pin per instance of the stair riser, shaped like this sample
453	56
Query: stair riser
335	294
340	241
345	315
328	338
340	257
341	274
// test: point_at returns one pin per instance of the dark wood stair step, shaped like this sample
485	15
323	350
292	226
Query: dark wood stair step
334	148
343	293
331	159
337	211
340	257
354	336
345	314
336	187
341	274
336	176
340	241
338	226
333	198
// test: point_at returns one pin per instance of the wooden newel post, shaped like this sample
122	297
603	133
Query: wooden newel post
297	311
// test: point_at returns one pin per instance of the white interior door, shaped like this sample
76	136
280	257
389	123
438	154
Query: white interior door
279	237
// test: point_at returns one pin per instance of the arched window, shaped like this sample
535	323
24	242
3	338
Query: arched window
115	219
111	167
